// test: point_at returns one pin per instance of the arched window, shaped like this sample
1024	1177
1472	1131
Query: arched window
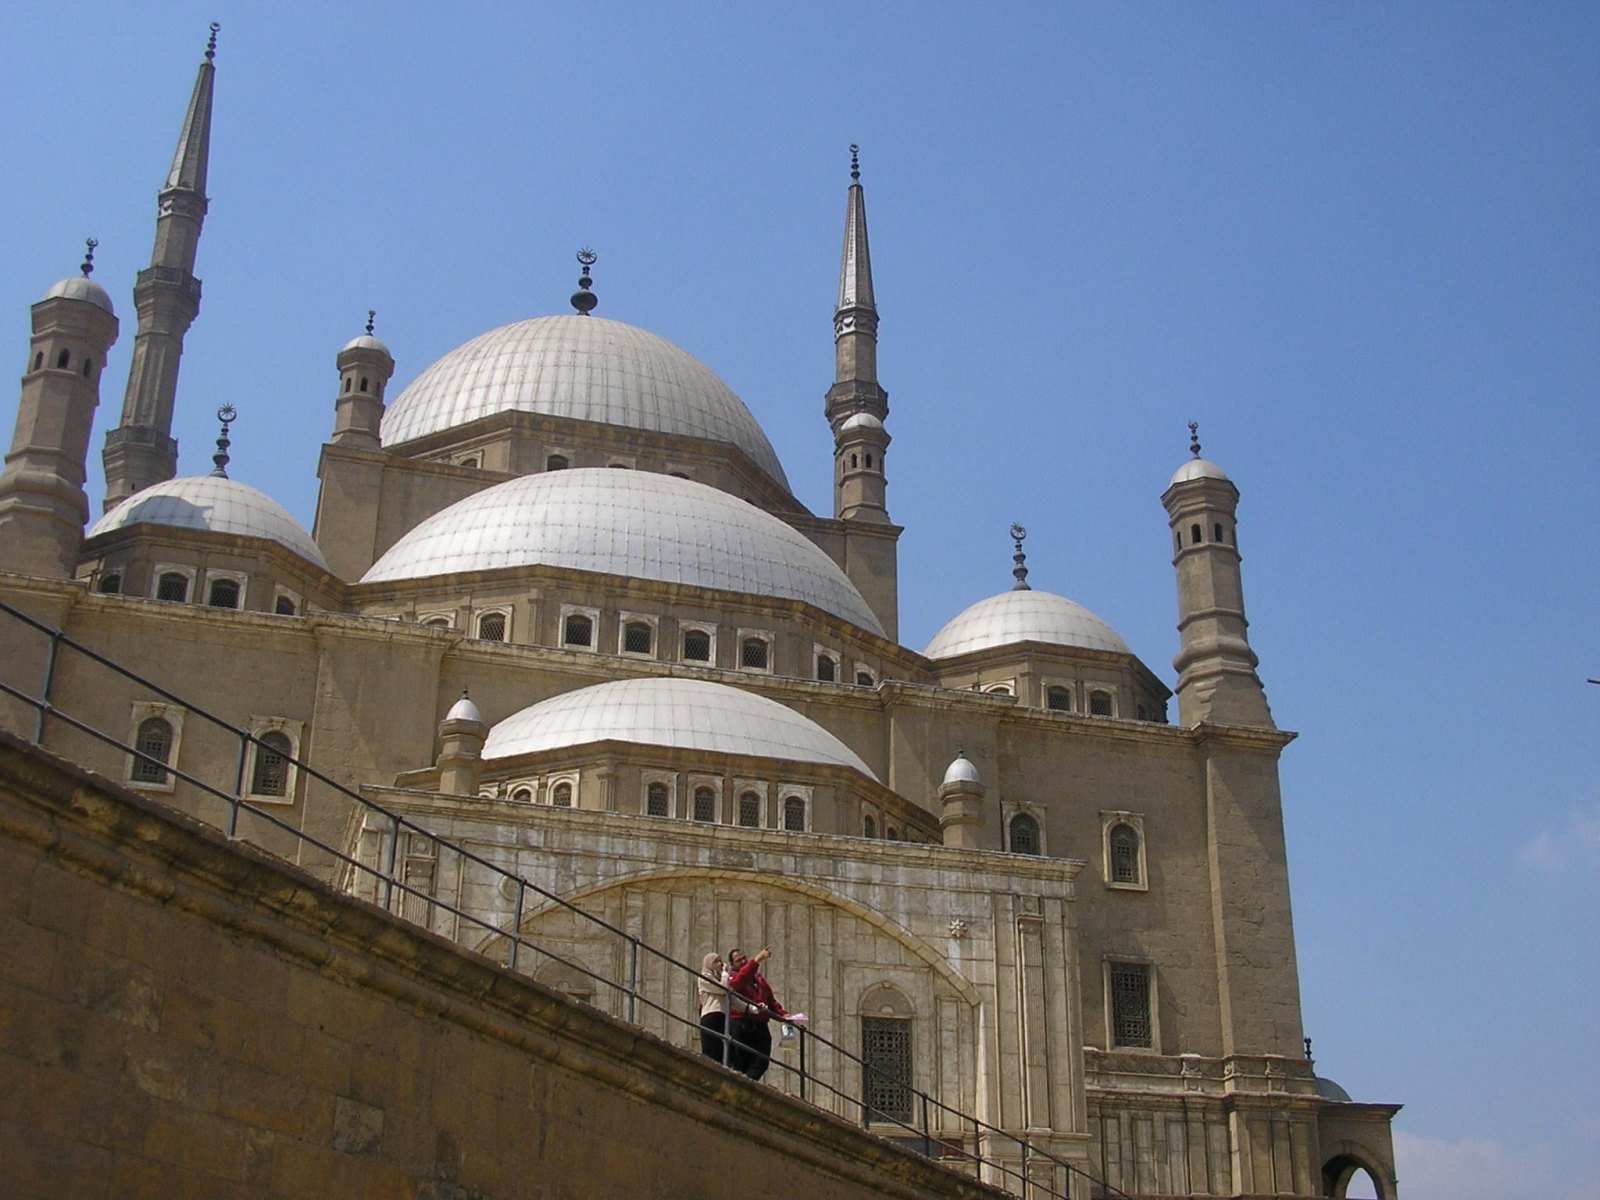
753	654
224	593
705	804
869	827
998	689
869	462
1194	535
638	638
271	774
348	384
172	586
1216	532
523	795
1058	698
1124	842
492	627
750	810
1100	704
110	584
865	679
886	1080
577	630
854	462
1023	835
38	360
561	795
363	383
696	645
556	462
1177	541
88	365
284	606
658	800
890	832
827	668
153	750
619	466
794	814
63	360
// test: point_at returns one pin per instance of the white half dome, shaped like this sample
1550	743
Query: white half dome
636	524
1198	468
216	504
686	714
585	368
1025	616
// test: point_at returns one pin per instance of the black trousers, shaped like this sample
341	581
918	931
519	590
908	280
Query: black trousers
711	1040
754	1036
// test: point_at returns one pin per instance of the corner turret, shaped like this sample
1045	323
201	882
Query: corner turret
365	367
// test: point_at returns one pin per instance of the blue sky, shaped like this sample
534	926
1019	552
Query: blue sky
1355	242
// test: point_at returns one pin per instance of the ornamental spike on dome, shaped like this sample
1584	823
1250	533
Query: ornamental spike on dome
1194	438
227	414
372	315
1020	569
88	256
211	43
583	299
855	163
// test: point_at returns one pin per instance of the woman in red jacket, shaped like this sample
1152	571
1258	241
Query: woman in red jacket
751	1029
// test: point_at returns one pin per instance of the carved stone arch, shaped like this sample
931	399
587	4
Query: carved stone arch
886	1000
1343	1158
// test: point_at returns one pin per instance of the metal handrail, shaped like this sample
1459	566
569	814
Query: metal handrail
948	1136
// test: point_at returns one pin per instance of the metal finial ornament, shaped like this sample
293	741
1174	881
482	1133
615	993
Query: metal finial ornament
211	44
88	256
583	299
227	415
1019	560
1309	1059
372	315
855	163
1194	438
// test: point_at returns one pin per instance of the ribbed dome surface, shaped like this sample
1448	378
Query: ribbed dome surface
636	524
687	714
585	368
1026	616
81	287
1198	468
214	503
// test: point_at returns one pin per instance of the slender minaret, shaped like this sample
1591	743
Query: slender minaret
365	366
1217	681
141	450
43	506
856	406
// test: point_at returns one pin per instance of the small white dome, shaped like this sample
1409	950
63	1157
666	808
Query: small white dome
365	341
464	710
961	771
861	420
687	714
1198	468
585	368
636	524
216	504
81	287
1025	616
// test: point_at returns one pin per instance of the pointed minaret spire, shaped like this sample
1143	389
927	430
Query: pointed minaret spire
227	414
856	303
141	450
1019	560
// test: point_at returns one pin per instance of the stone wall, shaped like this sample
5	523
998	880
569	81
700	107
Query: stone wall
184	1016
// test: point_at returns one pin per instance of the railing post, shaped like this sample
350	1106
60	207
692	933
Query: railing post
927	1133
516	925
802	1030
1023	1190
44	696
238	785
388	870
633	976
977	1146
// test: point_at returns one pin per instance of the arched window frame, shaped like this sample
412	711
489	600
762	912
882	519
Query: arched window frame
162	571
653	782
150	710
1063	691
869	825
553	791
710	632
1096	695
865	678
557	460
794	810
238	579
286	603
522	791
635	621
1028	814
503	612
1109	821
820	655
572	610
290	730
692	795
756	635
437	620
1004	688
884	1012
109	583
758	789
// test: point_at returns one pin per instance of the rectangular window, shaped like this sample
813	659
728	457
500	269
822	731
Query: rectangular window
886	1069
1130	1005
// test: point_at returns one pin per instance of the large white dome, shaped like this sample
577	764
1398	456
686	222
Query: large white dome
637	524
1025	616
687	714
214	503
585	368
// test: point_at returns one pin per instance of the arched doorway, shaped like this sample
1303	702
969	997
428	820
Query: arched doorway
1348	1178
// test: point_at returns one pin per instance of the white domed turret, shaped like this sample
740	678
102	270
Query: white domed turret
961	804
1025	616
961	770
81	287
465	710
1198	468
214	503
365	367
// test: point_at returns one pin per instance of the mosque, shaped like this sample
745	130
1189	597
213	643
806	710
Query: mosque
559	603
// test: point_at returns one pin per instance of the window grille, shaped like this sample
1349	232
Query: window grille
657	800
1124	854
578	631
886	1070
1100	704
284	606
1024	834
864	679
890	832
556	462
827	669
750	810
153	744
1130	1005
110	585
753	654
561	795
794	814
172	586
492	627
1058	698
224	593
637	638
271	774
696	645
705	804
525	795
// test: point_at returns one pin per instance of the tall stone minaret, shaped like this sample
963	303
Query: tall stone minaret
856	406
43	506
1217	681
141	450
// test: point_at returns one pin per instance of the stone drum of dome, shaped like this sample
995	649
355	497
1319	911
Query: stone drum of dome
585	368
